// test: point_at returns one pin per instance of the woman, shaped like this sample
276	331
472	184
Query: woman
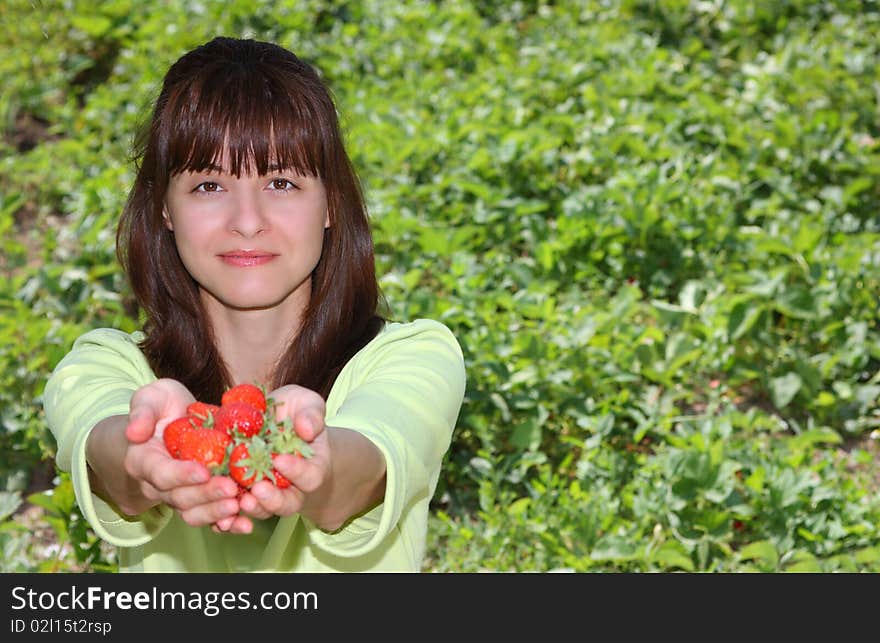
247	245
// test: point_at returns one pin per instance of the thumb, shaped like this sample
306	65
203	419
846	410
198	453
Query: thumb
308	423
141	424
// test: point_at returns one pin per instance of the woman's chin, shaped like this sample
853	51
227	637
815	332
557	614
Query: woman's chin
248	301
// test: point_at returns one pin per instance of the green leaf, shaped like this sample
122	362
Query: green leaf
743	317
94	26
518	507
9	502
803	562
811	437
762	550
615	549
670	554
783	389
526	434
868	555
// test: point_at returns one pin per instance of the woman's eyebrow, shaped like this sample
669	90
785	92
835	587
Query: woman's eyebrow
277	168
271	168
210	168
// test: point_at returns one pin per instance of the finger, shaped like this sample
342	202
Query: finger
306	475
152	495
267	495
223	524
308	423
241	525
154	405
190	496
305	408
141	423
173	399
253	507
164	472
280	502
257	514
210	513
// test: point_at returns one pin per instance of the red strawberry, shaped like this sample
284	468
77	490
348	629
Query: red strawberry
202	413
173	434
207	446
252	461
247	393
238	418
240	468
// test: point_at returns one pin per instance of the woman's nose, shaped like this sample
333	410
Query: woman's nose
249	218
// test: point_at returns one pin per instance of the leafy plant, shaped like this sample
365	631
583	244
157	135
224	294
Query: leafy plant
651	225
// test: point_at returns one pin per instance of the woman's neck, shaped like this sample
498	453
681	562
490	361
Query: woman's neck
252	341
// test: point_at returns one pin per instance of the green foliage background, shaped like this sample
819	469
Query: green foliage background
653	227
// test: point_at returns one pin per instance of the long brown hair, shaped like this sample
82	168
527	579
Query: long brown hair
260	104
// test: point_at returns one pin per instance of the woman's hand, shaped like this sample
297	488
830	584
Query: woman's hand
344	476
131	467
306	410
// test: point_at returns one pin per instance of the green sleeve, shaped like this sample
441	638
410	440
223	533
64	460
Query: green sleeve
96	380
403	392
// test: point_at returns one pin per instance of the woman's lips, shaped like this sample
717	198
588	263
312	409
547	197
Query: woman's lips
245	258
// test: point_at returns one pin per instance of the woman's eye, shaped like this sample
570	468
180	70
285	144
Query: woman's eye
208	186
282	184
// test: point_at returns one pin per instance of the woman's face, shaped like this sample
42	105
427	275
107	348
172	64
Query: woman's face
250	242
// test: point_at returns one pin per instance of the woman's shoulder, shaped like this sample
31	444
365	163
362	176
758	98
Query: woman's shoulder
111	338
421	351
102	352
414	327
397	341
107	347
417	331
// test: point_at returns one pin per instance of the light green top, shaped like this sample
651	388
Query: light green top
403	391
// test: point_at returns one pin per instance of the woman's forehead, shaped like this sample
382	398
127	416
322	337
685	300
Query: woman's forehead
245	159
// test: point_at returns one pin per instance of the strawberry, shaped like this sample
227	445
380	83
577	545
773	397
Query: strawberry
251	461
202	413
207	446
240	437
247	393
239	418
174	432
240	466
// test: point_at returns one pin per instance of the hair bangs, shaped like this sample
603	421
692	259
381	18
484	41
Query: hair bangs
243	123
